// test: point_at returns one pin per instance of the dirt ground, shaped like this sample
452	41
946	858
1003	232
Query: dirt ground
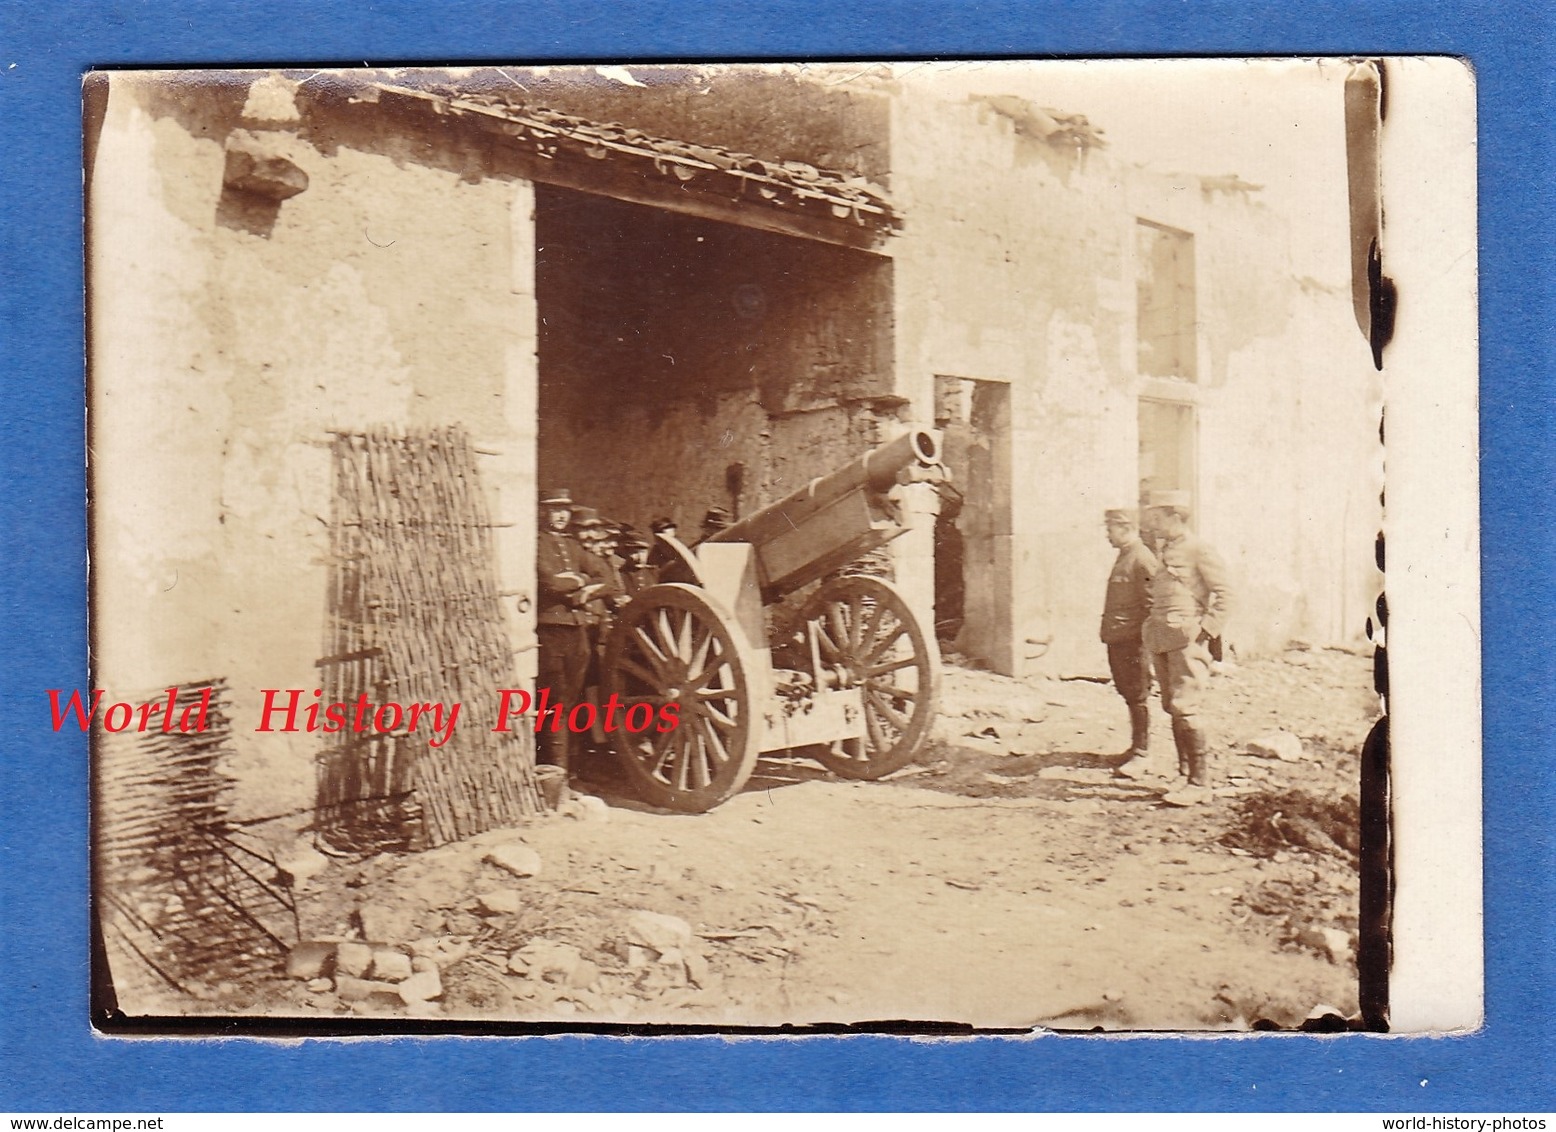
1008	880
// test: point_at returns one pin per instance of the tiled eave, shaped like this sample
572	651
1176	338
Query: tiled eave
786	196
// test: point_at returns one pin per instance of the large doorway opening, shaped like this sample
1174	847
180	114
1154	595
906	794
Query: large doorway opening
973	543
688	363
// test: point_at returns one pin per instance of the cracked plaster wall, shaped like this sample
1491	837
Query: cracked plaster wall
1017	265
386	293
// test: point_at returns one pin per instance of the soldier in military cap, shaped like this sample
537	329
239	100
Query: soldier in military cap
1190	600
717	519
594	535
1123	615
636	573
566	583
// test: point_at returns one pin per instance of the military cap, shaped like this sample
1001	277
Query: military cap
663	523
1178	499
635	540
586	517
1119	515
556	497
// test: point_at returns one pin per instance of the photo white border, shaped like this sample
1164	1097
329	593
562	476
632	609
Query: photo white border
1432	532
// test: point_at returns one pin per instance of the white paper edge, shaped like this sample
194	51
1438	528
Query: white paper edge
1432	527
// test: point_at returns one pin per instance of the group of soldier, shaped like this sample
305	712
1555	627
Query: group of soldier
1166	606
587	568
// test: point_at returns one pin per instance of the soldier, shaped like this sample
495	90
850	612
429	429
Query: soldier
1123	615
594	535
610	548
562	619
636	573
717	519
1190	600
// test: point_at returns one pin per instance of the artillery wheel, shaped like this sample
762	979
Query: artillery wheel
870	638
674	560
674	644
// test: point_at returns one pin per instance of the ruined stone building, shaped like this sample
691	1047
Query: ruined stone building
701	291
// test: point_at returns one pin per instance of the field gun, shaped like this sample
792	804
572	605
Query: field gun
857	674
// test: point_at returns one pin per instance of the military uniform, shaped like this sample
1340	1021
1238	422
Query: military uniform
636	573
1190	599
589	530
1123	616
562	569
717	519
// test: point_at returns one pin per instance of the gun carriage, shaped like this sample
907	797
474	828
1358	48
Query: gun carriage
852	678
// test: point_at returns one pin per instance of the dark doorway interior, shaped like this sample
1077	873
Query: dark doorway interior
687	363
973	531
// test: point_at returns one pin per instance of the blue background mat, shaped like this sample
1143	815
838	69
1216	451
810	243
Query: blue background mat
49	1057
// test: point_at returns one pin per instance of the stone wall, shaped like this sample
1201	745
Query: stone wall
386	292
1018	264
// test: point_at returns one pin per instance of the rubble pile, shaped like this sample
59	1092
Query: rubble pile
475	928
369	977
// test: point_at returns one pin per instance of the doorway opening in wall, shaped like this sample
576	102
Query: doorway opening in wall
687	363
973	530
1168	449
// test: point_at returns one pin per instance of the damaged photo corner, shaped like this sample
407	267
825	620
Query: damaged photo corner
621	548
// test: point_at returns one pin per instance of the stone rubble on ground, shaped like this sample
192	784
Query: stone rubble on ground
441	950
1282	745
585	807
304	863
658	931
383	922
353	959
516	858
364	975
545	959
697	969
421	986
310	959
503	902
351	989
390	965
629	963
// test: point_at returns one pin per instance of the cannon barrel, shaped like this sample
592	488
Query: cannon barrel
834	518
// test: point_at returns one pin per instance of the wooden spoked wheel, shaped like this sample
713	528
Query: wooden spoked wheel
869	639
672	644
675	561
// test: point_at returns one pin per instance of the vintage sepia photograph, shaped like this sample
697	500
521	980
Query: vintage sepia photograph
733	547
